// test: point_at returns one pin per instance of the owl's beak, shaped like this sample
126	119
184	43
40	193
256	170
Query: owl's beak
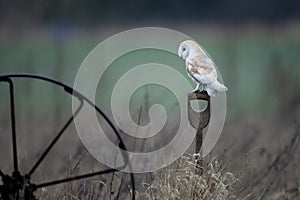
179	53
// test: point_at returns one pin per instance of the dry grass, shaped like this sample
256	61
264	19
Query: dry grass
183	181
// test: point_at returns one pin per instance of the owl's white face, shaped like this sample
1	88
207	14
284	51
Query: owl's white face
183	50
189	49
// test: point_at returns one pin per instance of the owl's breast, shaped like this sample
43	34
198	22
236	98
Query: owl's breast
191	73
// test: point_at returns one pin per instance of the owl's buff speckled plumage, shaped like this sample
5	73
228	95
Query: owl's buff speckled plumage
200	67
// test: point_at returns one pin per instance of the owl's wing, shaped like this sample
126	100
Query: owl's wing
202	70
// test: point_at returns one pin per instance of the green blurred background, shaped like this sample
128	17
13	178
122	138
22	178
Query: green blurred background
255	44
259	64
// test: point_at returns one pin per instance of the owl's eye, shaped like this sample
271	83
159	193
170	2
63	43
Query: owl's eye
183	49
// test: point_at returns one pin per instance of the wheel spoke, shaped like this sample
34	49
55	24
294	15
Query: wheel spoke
56	138
107	171
13	124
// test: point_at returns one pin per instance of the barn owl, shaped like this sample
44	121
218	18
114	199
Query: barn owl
200	68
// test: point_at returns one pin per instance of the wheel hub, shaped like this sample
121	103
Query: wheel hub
17	187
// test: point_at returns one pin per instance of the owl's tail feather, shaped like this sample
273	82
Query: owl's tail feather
219	87
215	87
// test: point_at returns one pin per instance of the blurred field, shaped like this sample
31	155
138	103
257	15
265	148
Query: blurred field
258	68
260	140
